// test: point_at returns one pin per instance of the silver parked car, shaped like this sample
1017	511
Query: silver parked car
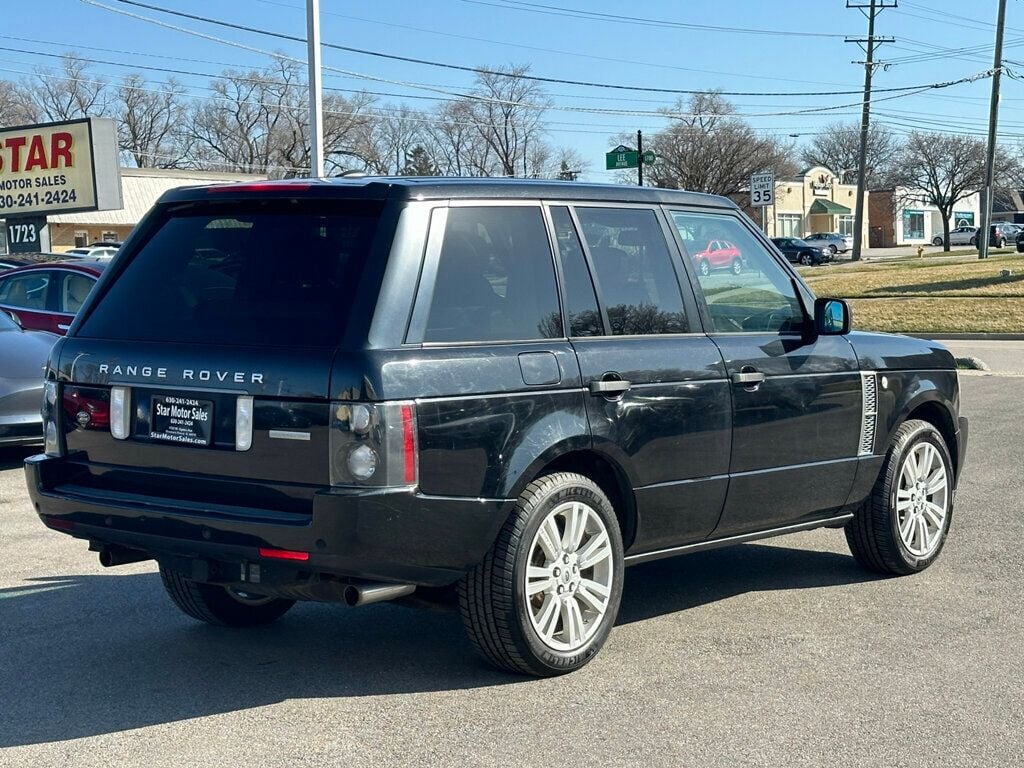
22	356
834	241
959	236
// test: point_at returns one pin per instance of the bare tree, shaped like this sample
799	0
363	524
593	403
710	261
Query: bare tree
457	147
837	147
258	121
707	148
507	111
942	169
149	122
388	139
74	93
16	105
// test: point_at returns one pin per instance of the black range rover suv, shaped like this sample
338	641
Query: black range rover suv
508	391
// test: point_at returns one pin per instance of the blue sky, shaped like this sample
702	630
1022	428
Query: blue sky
501	32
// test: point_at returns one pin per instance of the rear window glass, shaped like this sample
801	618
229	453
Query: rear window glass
262	275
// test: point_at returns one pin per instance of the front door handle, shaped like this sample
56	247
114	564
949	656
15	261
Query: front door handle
63	326
608	387
748	377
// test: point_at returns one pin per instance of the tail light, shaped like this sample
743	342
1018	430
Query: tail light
374	445
53	444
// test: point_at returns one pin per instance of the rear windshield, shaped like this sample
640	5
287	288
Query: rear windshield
270	274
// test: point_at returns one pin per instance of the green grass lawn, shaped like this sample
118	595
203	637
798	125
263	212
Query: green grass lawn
950	293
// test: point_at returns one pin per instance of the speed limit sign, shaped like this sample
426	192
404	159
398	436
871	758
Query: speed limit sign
762	189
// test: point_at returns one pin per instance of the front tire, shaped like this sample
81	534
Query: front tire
547	594
806	259
903	525
219	605
704	268
737	266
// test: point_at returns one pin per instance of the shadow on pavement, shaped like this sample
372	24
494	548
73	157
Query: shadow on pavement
89	655
14	458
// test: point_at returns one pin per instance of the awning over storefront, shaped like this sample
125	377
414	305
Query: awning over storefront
828	207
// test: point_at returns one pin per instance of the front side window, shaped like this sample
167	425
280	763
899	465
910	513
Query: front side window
759	296
28	291
634	272
495	278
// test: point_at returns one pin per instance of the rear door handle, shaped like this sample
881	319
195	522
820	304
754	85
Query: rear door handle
609	387
748	378
63	326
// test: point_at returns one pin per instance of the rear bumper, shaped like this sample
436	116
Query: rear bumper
399	536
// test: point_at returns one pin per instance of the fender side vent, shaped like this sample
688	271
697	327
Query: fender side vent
869	413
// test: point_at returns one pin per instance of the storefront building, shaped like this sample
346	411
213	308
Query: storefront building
902	216
815	201
140	188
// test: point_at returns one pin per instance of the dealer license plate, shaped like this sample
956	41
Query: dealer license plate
183	420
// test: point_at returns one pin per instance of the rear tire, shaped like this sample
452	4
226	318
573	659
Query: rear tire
833	248
547	594
936	241
903	525
974	241
219	605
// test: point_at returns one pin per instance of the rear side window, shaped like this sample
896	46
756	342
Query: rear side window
634	271
74	289
248	274
26	290
581	302
495	278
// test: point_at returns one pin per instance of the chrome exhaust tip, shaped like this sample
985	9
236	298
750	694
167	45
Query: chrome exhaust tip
364	594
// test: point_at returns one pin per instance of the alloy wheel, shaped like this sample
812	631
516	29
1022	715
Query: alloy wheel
569	576
922	500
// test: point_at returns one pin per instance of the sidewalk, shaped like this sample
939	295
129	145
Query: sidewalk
1005	357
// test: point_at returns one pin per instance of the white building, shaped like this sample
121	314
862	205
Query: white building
900	216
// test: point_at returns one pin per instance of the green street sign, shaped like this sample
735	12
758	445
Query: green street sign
621	157
649	158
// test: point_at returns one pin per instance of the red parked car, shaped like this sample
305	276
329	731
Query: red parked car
45	297
720	254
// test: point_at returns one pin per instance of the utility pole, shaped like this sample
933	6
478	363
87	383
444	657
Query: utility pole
316	95
993	122
640	158
867	44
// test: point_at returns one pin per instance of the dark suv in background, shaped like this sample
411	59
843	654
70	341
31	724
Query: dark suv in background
495	393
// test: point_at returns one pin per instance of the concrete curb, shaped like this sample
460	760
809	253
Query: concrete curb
968	336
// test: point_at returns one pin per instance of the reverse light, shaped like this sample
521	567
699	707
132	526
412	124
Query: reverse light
243	423
362	462
51	435
120	412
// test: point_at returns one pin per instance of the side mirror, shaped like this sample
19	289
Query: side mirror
16	319
832	317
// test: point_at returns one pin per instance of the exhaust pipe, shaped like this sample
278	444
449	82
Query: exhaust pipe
111	556
364	594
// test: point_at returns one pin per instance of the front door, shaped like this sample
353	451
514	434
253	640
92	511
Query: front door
796	403
657	402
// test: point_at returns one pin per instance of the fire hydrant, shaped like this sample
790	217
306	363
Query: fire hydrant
920	251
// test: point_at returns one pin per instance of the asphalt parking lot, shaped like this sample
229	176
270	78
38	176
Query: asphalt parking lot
774	654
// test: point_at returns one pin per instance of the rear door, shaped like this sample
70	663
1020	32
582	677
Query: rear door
657	399
796	403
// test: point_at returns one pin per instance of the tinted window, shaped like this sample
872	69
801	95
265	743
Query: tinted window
495	278
256	274
760	297
28	291
74	289
634	270
584	316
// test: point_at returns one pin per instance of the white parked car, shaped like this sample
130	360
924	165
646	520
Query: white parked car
834	241
959	236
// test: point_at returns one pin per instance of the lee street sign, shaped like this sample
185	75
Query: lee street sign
59	168
621	157
762	189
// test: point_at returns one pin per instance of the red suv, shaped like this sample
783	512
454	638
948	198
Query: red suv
45	297
719	254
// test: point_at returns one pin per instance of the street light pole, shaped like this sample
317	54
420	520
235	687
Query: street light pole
993	121
316	96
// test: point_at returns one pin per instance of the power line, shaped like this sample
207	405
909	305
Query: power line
554	10
473	70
